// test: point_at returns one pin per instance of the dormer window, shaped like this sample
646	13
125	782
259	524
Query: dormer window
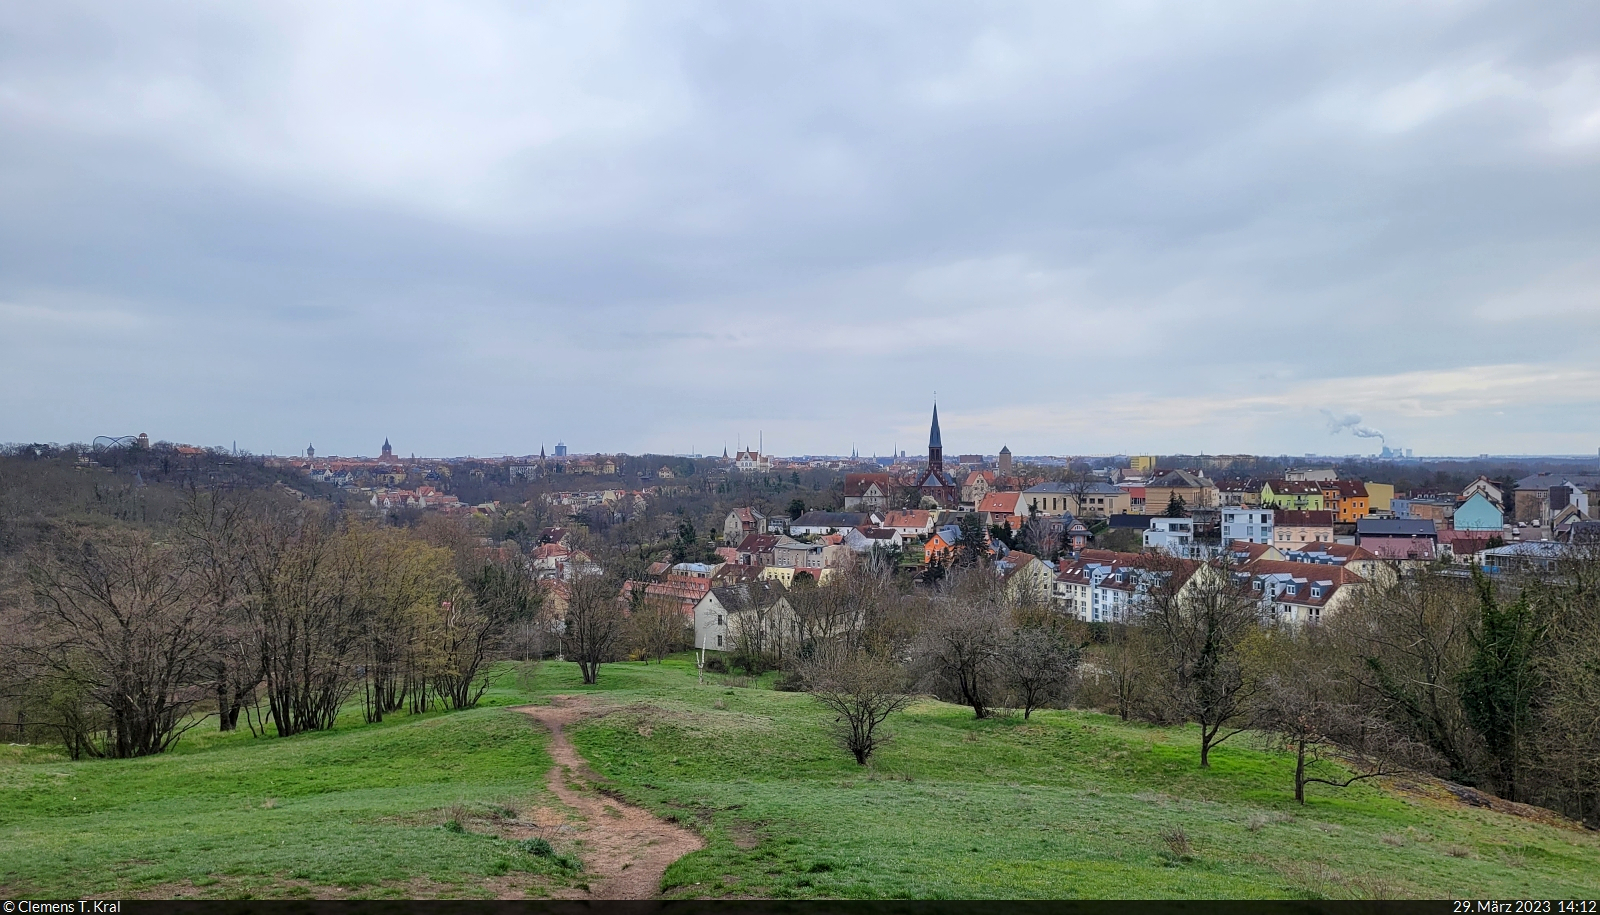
1316	590
1256	585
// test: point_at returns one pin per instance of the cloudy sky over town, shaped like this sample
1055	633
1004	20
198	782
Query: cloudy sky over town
1091	228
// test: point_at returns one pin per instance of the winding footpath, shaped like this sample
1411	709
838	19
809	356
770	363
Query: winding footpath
625	849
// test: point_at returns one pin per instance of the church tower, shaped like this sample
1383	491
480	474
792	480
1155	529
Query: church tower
935	445
388	452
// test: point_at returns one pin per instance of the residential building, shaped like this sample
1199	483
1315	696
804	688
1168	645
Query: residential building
1542	496
1026	578
1239	493
1360	560
1440	511
1399	538
978	484
1173	536
1292	529
867	539
1101	586
1296	593
1347	499
1316	475
1004	508
758	613
820	522
1142	464
756	549
741	523
866	491
1195	490
1293	495
1251	525
1490	490
1100	500
1478	513
913	524
1380	498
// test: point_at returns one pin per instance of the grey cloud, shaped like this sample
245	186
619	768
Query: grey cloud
481	227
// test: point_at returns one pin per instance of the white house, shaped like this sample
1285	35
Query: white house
867	539
1251	525
759	609
1174	536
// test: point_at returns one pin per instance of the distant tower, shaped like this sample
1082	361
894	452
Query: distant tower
935	446
541	454
144	440
388	452
561	449
1005	459
310	452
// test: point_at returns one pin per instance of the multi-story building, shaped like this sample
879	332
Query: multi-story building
1251	525
1294	529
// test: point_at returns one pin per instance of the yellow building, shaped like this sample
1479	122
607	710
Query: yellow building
1380	497
1142	464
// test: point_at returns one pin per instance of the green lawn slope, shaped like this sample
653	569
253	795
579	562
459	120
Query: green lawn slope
1067	805
357	811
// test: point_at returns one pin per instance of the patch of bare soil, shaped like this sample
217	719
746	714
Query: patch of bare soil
625	849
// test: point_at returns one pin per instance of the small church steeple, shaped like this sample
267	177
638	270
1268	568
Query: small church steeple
387	451
935	444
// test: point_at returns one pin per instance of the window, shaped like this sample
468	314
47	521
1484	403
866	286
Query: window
1255	585
719	641
719	619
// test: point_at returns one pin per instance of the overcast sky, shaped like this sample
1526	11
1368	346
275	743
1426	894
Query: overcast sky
477	228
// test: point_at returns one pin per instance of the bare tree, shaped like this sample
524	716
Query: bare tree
1040	666
118	626
475	626
1198	619
861	689
1407	645
657	626
595	623
301	611
962	642
1079	484
211	530
1303	708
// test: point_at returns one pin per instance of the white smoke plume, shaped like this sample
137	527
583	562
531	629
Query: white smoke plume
1339	422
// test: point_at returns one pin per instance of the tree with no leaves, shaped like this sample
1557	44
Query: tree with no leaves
963	640
1302	708
656	625
595	624
1040	666
118	625
1198	619
861	689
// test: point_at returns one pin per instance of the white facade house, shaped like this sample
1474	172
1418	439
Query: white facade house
758	610
1251	525
1174	536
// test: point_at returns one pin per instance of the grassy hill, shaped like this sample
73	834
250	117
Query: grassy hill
1068	805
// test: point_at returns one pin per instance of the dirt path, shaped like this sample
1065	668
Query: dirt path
625	849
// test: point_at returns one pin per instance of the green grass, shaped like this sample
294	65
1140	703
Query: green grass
1068	805
361	808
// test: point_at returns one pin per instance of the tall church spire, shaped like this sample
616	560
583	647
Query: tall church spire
935	445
